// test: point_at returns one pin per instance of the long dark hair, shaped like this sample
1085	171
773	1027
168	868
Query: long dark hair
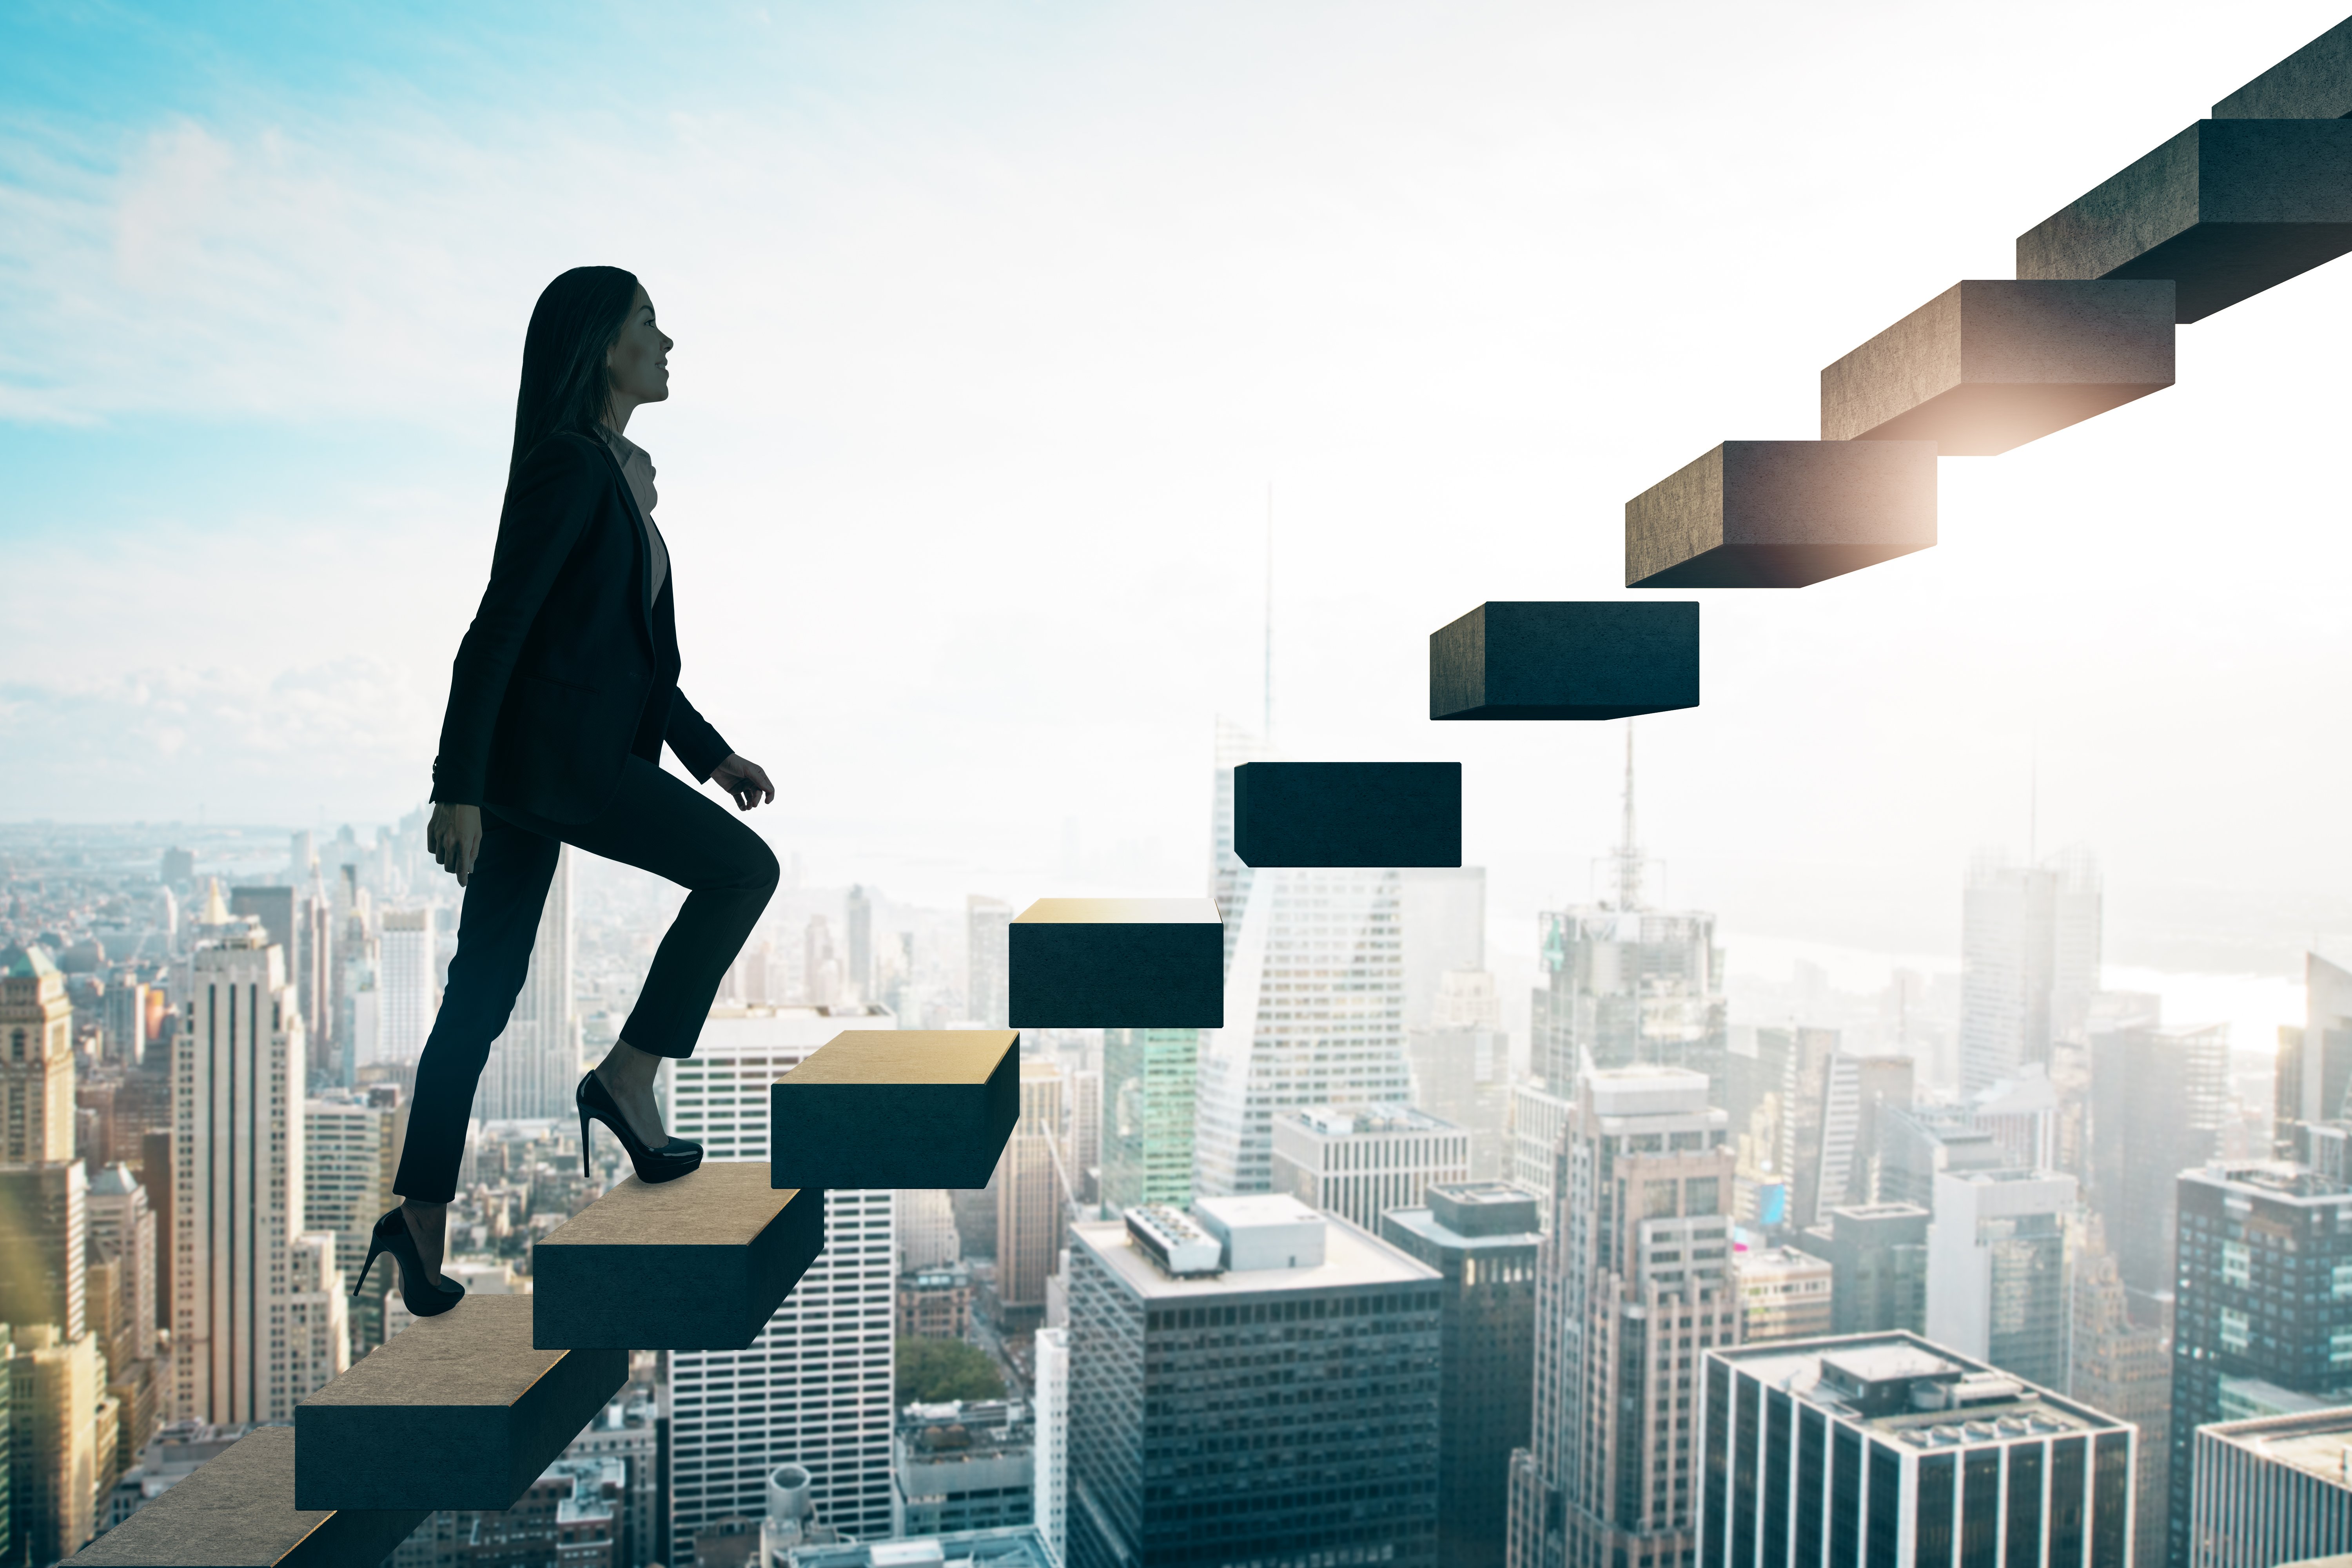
565	385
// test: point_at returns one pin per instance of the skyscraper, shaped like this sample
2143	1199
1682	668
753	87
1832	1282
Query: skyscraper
986	923
1626	984
404	983
1877	1255
1273	1400
1149	1078
2030	943
56	1385
2264	1299
36	1075
1359	1161
1856	1092
1032	1208
44	1243
2273	1490
1634	1282
860	918
1461	1061
1050	1481
1784	1294
237	1182
1314	1016
1228	879
1894	1451
2159	1099
2315	1061
2116	1365
815	1389
351	1147
1997	1268
1481	1236
534	1063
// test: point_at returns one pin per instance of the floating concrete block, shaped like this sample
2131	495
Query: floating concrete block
458	1411
1117	963
2312	83
2225	209
1781	514
1348	814
895	1108
237	1510
1571	659
698	1264
1987	365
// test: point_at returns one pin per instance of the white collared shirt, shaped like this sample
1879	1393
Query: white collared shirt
638	468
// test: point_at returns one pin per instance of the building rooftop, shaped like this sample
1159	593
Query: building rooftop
1763	1261
1351	1260
1913	1391
2319	1444
2278	1179
1014	1546
1648	1091
1474	1215
1363	1121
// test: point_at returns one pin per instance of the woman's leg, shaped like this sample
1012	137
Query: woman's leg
495	933
659	823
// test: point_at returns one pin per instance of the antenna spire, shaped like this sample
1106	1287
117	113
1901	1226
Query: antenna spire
1628	853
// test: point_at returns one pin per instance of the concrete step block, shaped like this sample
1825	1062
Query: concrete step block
895	1108
2312	83
237	1510
1608	659
1348	814
458	1411
1782	514
698	1264
1991	364
2226	209
1117	963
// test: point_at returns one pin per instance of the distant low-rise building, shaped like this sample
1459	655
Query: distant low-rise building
935	1303
961	1465
1784	1294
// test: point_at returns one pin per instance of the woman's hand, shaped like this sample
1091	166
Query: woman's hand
746	781
455	837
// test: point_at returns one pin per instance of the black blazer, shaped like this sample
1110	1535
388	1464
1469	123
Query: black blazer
567	671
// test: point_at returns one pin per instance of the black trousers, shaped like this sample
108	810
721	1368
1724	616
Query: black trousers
657	822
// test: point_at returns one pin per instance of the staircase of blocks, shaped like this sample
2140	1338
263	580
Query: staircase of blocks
466	1410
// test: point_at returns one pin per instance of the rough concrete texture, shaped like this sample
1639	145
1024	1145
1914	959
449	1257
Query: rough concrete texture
2226	209
698	1264
1565	659
895	1108
1991	364
1117	963
1781	514
2312	83
1348	814
458	1411
238	1512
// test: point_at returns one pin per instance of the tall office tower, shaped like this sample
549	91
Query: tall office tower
1632	1281
1182	1449
2264	1311
1314	1016
1626	984
120	1227
2315	1061
534	1064
986	922
237	1184
961	1464
822	975
1997	1268
273	907
1082	1158
1921	1142
1461	1062
36	1075
313	958
124	1027
1361	1161
1784	1294
815	1389
1894	1451
44	1244
1442	909
358	999
927	1231
350	1149
1536	1122
1228	879
56	1386
2273	1490
404	983
1482	1238
860	919
317	1321
2029	962
1049	1500
1148	1078
2021	1113
1877	1255
1032	1206
2125	1370
1856	1092
1805	1105
2159	1099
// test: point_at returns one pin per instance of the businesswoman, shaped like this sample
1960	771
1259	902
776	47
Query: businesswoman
562	693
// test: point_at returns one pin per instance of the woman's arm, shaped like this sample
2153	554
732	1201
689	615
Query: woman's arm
548	505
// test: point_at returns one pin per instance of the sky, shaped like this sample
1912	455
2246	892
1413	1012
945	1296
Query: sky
1001	331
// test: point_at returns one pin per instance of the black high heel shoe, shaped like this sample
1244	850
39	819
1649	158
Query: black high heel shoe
423	1297
666	1163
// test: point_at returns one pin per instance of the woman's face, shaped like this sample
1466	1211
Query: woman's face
639	359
